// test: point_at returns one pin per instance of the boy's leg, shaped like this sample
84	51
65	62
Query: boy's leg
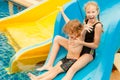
80	63
58	41
52	73
32	76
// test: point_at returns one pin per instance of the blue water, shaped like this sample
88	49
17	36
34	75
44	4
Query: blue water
6	52
4	9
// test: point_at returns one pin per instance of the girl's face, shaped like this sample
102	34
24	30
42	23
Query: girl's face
91	12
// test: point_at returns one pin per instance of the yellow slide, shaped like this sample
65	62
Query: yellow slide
30	33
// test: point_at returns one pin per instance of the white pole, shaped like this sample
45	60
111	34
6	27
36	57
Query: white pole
11	11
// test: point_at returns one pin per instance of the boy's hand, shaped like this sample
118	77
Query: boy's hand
60	8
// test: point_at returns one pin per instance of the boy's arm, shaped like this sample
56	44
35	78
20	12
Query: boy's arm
64	15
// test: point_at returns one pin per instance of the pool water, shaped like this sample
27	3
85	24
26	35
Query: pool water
7	51
4	9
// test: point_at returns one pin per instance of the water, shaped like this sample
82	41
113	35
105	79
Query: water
4	9
6	50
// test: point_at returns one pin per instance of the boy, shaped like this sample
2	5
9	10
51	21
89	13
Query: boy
75	31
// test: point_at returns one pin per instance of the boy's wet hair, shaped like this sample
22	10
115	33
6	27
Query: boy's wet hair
73	27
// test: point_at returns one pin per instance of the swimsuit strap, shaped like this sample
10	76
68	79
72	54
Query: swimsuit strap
97	23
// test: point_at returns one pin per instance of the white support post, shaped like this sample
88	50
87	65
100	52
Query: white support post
11	11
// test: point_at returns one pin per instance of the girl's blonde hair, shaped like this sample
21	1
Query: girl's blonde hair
73	26
93	4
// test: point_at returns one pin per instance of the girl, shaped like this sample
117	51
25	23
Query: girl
92	39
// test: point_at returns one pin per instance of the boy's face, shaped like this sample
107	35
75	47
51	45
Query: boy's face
73	36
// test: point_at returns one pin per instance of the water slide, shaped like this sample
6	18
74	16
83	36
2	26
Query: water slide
100	68
30	32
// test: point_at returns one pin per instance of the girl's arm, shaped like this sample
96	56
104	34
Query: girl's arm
64	15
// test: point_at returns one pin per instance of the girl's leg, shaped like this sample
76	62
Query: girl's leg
58	41
80	63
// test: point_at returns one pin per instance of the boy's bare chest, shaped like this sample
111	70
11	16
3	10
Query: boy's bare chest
75	48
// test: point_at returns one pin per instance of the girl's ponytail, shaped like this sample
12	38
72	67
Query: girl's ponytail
86	20
98	17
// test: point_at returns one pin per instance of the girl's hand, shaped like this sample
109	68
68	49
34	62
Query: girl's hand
88	28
